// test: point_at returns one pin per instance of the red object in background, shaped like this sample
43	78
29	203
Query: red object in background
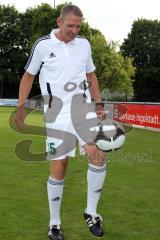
139	114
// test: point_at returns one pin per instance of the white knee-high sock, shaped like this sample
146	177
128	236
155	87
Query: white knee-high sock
95	178
55	192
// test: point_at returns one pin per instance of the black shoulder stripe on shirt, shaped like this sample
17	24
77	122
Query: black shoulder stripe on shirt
33	48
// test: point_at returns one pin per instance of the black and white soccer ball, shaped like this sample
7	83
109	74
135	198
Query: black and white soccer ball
109	137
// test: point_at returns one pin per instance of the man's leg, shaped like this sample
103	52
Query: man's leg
55	191
95	178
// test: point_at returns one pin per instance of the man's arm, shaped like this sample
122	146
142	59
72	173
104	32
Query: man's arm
96	95
25	87
24	90
94	87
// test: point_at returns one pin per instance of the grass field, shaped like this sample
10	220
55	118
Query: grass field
130	203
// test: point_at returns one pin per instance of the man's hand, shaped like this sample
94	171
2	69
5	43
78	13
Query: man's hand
101	113
20	116
24	90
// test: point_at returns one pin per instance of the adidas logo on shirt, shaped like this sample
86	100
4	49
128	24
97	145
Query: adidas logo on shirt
52	55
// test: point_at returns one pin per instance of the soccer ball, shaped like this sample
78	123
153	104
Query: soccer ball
109	137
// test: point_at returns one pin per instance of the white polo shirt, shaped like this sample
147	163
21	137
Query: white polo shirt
62	66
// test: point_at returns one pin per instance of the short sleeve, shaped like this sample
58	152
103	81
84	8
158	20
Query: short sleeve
34	62
90	67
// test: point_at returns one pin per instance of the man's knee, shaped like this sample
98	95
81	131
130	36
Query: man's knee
58	168
98	159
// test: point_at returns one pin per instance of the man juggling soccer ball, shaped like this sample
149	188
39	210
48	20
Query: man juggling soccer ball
62	58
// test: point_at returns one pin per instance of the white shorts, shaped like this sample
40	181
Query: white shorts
64	134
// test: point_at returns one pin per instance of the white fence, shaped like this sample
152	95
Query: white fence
8	102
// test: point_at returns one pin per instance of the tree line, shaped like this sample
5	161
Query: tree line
143	46
129	71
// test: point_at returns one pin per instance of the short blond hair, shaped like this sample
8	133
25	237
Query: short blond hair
68	9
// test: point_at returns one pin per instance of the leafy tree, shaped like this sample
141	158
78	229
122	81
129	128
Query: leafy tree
39	21
113	70
143	45
11	50
85	30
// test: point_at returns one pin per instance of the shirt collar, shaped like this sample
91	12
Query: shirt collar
57	41
54	38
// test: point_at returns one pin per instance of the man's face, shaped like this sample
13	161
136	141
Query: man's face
69	27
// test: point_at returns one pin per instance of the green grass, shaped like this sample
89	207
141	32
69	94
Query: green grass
130	202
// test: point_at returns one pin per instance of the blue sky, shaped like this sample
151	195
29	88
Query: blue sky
113	18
